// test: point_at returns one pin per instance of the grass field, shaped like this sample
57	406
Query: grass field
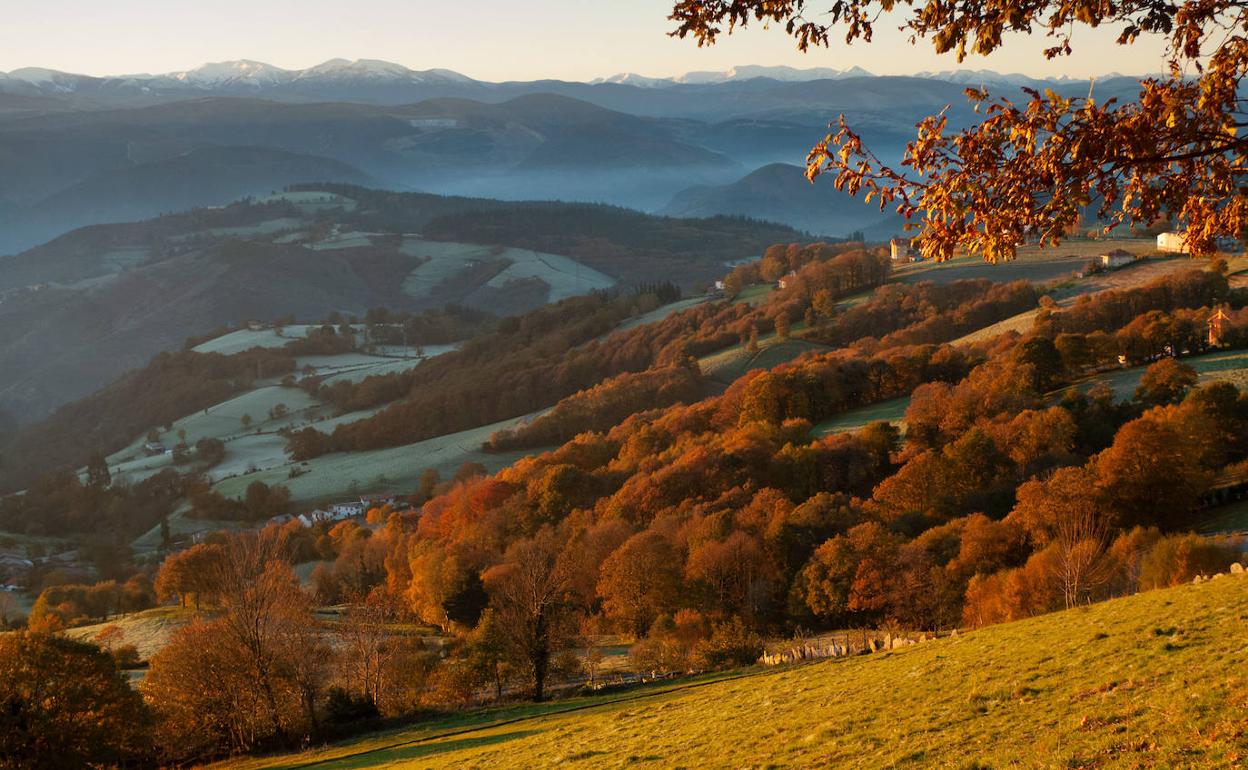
1032	263
1150	681
1223	366
245	339
148	630
755	294
335	475
312	202
1225	518
565	277
893	411
728	364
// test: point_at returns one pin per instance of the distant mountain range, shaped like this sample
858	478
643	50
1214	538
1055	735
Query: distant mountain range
78	150
381	82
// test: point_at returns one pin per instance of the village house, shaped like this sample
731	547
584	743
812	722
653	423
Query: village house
1171	243
783	283
1116	258
902	251
1174	243
347	510
378	499
153	448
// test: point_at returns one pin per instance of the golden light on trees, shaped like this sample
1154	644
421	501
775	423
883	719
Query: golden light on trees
1028	167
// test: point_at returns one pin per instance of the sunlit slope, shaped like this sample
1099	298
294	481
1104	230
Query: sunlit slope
1155	680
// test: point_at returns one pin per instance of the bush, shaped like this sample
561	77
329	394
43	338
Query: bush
1179	558
342	707
731	644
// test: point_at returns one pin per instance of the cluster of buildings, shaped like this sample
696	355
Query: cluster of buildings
350	509
16	565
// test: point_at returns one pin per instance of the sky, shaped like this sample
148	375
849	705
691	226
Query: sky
491	40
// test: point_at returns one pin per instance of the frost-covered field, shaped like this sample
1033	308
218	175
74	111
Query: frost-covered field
399	467
246	339
566	277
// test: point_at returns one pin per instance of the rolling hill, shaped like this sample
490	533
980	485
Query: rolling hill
82	309
207	176
67	136
780	193
1150	680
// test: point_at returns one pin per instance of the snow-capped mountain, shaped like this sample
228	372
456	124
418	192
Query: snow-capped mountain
989	77
371	81
746	72
368	79
243	71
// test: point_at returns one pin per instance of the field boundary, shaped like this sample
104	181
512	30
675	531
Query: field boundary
529	717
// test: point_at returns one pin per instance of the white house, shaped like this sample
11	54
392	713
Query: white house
1172	243
340	511
1116	258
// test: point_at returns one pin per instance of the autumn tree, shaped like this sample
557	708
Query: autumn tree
1152	473
1165	382
367	647
254	672
782	326
529	592
640	581
64	705
1066	510
191	574
1027	168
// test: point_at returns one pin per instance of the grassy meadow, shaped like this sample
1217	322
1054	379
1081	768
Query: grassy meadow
1150	681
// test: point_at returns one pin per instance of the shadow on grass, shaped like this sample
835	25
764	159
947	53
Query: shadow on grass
411	751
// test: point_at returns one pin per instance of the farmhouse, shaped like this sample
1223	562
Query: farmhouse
1174	243
378	499
783	283
340	511
903	252
153	448
1171	243
1116	258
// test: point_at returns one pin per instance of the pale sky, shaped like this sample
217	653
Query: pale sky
485	39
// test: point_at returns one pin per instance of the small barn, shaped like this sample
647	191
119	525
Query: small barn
1172	243
1116	258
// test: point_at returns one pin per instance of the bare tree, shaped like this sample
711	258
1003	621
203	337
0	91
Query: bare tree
367	647
530	593
270	619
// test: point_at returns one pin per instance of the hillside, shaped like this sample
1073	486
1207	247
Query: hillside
436	131
780	193
61	166
207	176
1151	680
77	312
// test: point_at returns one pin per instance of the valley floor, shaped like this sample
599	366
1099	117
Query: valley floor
1153	680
